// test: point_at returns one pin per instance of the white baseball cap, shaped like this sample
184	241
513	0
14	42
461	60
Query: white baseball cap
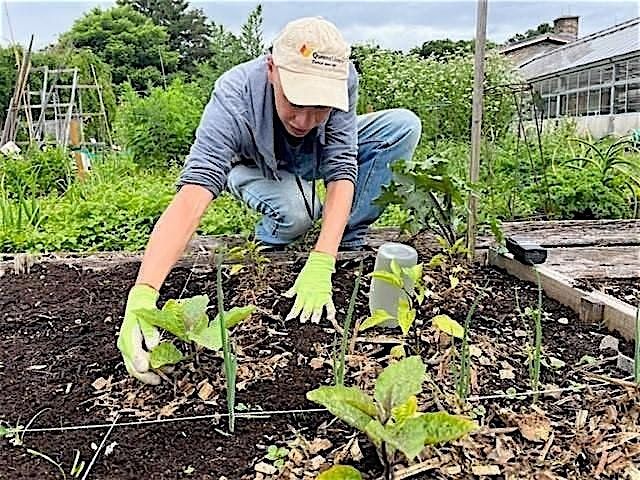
313	62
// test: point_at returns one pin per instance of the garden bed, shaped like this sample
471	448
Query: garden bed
625	289
59	359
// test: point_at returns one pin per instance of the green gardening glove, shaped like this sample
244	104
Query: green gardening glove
132	331
313	289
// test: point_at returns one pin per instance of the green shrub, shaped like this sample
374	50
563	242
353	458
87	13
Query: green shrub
439	92
114	209
160	128
36	172
581	194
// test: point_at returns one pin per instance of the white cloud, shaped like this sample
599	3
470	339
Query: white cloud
403	36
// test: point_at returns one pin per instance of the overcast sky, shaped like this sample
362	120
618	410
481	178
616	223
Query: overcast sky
397	25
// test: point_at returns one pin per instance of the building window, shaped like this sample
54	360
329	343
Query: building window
589	91
633	97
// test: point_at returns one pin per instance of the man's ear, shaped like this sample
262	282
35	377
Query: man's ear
270	68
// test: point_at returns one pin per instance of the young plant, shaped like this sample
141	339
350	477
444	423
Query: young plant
431	195
636	358
277	455
535	341
391	418
412	291
230	362
187	319
339	368
252	253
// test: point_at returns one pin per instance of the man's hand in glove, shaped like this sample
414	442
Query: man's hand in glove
313	289
133	330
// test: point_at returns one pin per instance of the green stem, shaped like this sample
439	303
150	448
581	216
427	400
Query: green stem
229	360
464	378
636	363
535	374
339	373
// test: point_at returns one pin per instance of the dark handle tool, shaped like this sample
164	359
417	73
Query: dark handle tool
526	251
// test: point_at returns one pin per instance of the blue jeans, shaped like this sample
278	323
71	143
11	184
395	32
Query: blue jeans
383	138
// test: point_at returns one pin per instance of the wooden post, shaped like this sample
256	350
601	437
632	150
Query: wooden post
74	140
476	121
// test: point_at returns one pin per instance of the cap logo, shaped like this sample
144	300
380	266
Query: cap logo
305	50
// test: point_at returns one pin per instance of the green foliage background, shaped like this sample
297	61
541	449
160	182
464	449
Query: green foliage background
154	98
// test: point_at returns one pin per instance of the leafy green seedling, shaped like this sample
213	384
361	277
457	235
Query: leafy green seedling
277	455
391	418
187	319
409	281
448	325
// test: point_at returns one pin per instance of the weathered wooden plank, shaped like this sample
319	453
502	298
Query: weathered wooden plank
554	284
617	315
595	262
576	233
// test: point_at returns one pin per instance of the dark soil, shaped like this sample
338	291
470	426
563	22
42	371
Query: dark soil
626	289
58	331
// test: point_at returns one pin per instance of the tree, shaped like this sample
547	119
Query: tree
441	49
136	50
532	32
229	49
8	74
188	29
251	34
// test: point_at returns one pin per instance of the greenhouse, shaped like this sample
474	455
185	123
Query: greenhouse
595	76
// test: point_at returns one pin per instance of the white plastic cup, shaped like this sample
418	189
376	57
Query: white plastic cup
383	295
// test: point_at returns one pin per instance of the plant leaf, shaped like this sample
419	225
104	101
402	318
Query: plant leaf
397	352
349	404
236	268
411	436
436	261
378	317
209	337
406	315
388	277
399	381
440	427
165	353
414	273
454	281
236	315
193	309
395	268
168	320
375	431
406	410
448	325
340	472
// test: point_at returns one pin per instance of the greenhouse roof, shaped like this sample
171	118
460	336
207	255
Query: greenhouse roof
612	42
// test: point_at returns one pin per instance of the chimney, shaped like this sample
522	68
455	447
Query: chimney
566	26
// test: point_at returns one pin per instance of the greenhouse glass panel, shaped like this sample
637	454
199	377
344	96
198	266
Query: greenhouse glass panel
605	100
563	104
619	99
553	106
633	69
583	79
594	101
582	103
621	71
633	97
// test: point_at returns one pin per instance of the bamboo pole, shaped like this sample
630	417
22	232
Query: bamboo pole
476	122
76	141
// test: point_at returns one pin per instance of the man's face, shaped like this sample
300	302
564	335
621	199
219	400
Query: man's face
297	120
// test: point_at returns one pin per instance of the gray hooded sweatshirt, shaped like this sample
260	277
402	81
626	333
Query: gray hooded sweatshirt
237	127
